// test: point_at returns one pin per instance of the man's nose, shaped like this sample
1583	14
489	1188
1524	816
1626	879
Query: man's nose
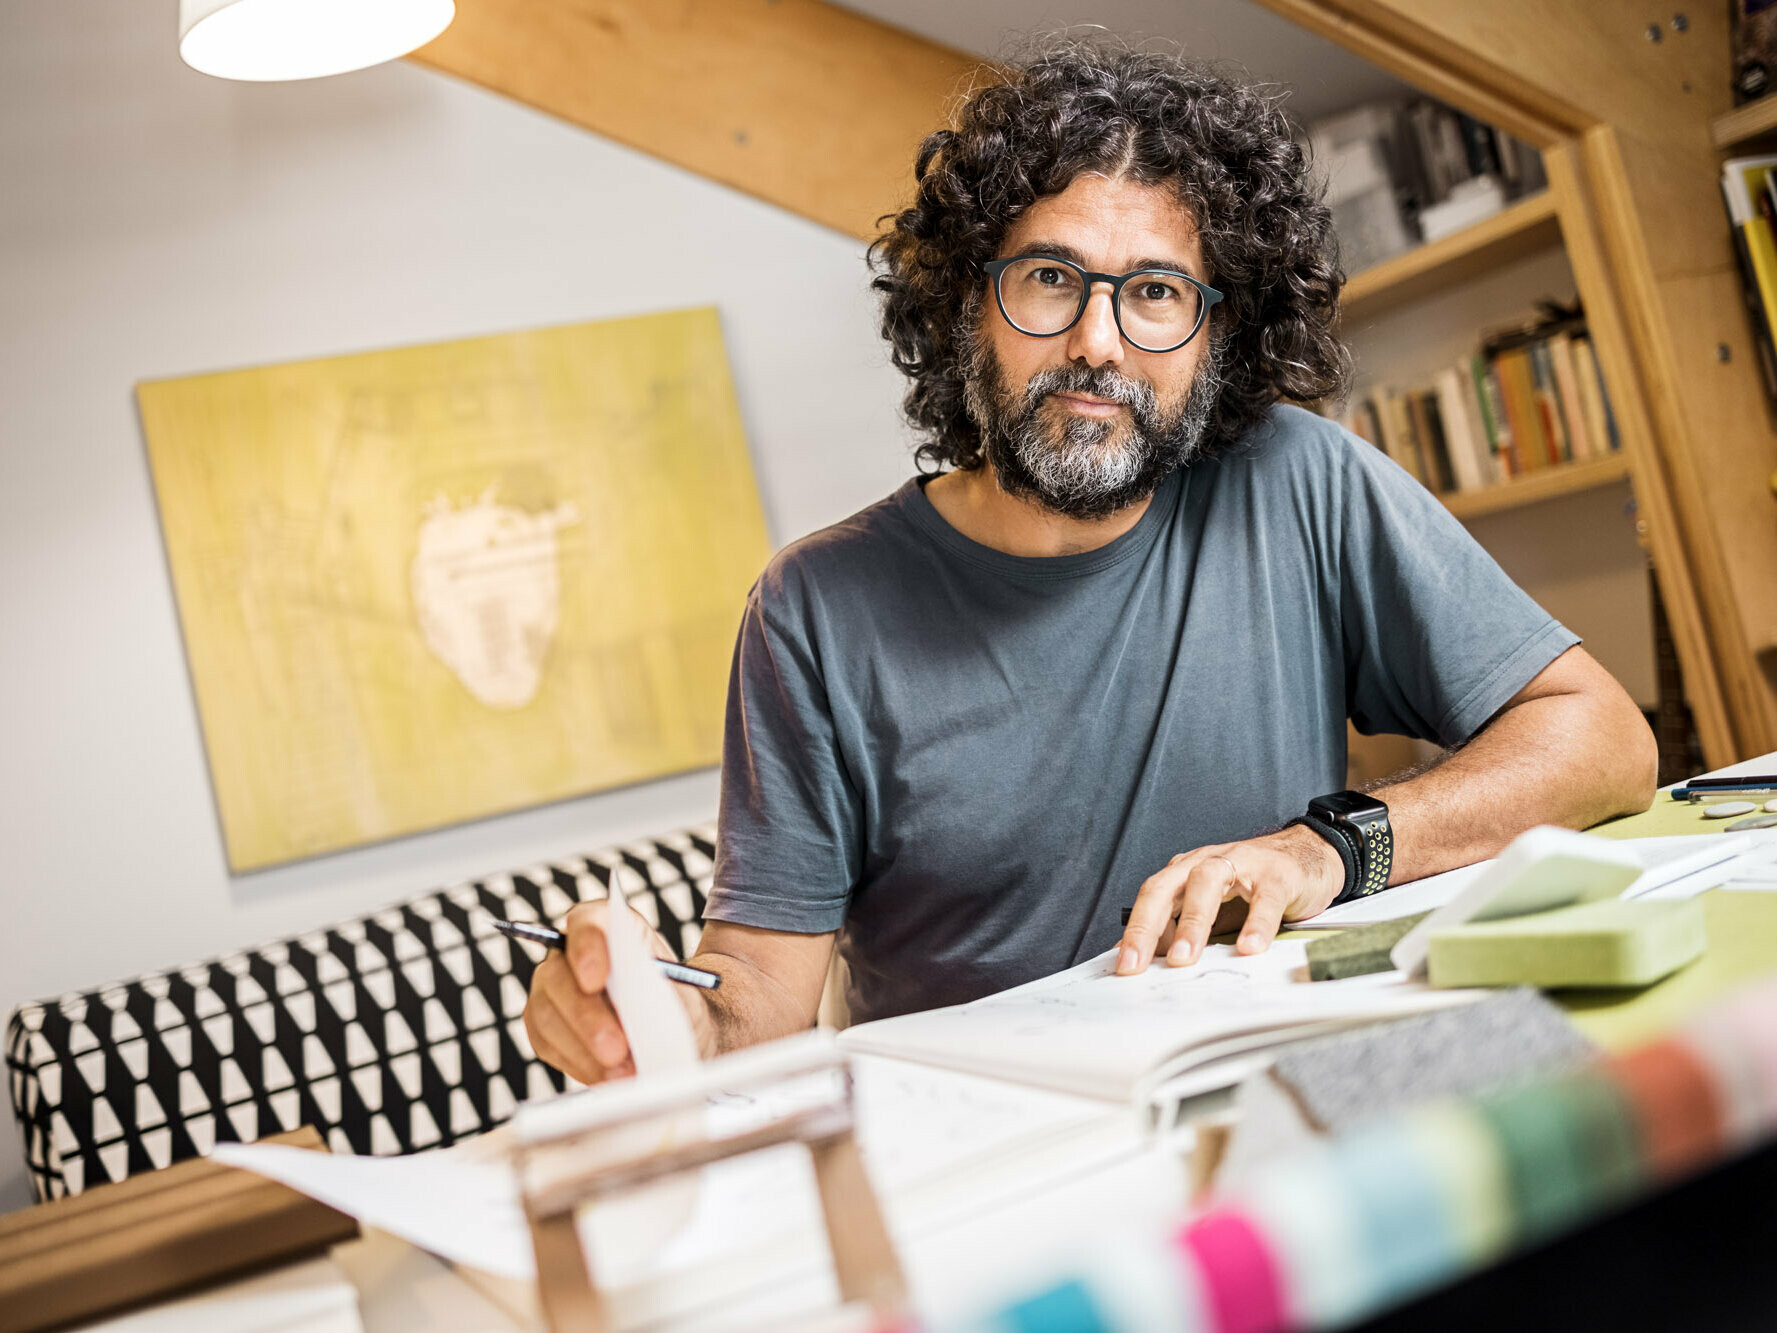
1096	339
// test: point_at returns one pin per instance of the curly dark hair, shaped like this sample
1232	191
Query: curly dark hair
1158	119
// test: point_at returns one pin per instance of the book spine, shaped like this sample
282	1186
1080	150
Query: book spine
1506	449
1591	393
1567	392
1530	448
1394	431
1420	433
1610	417
1492	422
1542	376
1440	441
1459	433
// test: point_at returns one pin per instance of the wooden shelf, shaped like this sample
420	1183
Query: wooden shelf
1517	230
1744	124
1566	479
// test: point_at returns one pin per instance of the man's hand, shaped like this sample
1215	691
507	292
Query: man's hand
568	1016
1287	875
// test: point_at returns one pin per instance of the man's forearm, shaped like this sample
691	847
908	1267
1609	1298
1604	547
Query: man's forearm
748	1007
1569	759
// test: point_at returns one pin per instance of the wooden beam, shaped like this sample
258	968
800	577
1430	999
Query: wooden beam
804	105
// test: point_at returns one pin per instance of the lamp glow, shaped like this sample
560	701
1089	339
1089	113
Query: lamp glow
268	40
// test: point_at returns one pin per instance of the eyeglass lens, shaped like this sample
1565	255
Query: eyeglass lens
1156	311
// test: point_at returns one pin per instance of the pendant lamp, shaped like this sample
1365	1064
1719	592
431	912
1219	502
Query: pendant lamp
266	40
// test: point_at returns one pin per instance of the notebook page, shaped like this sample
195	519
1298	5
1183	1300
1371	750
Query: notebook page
1090	1032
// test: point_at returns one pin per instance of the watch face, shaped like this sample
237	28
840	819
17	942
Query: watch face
1350	804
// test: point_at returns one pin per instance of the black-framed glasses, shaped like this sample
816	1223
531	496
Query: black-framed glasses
1157	309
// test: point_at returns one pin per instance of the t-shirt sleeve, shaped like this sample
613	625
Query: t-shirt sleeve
1437	638
787	830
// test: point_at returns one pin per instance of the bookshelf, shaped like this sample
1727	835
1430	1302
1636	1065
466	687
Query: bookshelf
1520	229
1515	231
1549	484
1744	124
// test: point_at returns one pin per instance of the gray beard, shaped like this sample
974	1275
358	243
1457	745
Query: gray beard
1084	468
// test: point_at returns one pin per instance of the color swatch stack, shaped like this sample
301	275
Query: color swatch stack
1366	1220
1525	401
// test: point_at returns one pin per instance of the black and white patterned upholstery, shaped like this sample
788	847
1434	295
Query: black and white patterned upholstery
397	1031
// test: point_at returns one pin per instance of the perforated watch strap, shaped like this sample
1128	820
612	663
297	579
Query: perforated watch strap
1341	844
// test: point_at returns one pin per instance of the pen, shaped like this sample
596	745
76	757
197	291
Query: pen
551	938
1698	788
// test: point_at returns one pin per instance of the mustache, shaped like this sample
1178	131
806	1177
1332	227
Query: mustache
1100	382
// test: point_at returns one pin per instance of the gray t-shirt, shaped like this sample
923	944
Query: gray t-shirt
967	762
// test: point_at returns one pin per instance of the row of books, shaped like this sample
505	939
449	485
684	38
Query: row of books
1749	189
1399	173
1525	401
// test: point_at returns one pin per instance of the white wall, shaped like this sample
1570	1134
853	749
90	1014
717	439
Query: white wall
156	222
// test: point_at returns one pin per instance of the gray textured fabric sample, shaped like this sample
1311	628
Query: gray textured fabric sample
1504	1040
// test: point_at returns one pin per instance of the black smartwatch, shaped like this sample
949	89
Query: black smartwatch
1357	826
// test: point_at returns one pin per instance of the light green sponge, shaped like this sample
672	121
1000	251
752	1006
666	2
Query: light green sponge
1604	943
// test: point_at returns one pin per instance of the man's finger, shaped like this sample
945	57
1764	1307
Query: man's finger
1152	916
1212	881
1263	917
586	1025
556	1043
589	957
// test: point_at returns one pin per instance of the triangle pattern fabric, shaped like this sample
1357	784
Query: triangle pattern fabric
390	1033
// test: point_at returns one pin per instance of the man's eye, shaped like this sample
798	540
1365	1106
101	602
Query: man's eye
1156	292
1050	277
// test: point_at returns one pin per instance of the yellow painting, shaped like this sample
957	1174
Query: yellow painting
427	585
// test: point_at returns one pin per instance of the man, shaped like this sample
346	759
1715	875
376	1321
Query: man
1107	657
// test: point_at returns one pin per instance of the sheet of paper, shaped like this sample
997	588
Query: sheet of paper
1420	895
1090	1032
460	1203
920	1129
660	1037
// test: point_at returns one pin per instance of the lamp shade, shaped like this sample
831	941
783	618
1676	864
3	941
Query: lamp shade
265	40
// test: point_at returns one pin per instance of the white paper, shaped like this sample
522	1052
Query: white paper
1419	895
920	1130
459	1203
653	1018
1091	1032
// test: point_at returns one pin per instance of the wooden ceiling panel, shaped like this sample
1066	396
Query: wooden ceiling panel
813	108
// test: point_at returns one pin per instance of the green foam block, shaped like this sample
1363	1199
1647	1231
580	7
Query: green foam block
1604	943
1358	951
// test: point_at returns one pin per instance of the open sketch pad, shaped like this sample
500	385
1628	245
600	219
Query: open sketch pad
1090	1032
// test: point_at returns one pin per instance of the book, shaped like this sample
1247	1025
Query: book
1434	463
1397	438
1548	401
1610	420
1461	424
1493	416
1092	1033
1567	387
1745	184
1530	447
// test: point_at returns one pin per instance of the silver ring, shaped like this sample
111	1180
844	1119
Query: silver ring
1217	856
